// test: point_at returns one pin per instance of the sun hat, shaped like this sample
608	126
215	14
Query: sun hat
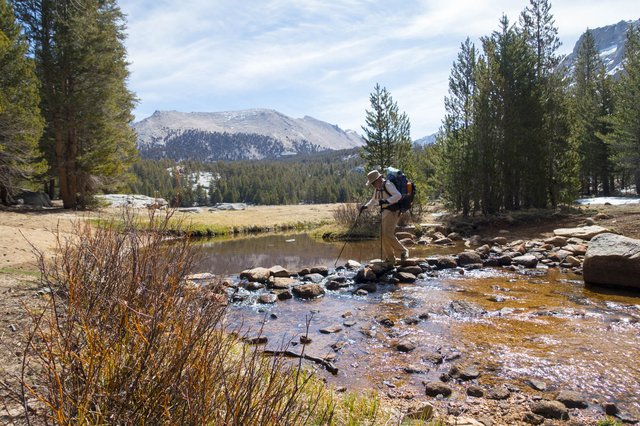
373	176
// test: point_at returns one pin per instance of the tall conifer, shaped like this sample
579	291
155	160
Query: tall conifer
20	121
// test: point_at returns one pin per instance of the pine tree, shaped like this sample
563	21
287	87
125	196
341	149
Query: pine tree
590	105
387	133
456	160
20	122
81	62
538	26
625	138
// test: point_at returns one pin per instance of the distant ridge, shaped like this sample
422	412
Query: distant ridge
237	135
609	43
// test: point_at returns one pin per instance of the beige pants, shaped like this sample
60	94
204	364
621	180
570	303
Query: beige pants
390	244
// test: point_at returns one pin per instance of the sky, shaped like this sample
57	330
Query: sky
320	58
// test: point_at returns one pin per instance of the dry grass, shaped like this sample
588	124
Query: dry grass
124	339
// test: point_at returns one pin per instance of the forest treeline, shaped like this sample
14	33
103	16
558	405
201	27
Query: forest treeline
329	177
522	131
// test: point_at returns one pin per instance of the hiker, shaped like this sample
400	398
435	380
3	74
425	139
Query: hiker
386	196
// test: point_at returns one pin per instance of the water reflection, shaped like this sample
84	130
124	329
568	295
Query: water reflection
291	251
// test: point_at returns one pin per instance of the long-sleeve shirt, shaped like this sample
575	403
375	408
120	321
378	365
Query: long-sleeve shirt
388	192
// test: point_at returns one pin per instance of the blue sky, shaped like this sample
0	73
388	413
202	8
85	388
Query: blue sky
320	58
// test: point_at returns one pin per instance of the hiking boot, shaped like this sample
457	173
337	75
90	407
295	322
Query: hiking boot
404	256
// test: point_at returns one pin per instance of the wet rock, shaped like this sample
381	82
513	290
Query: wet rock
584	232
305	340
414	269
267	298
365	274
411	320
256	275
322	270
499	393
405	277
462	308
349	323
475	391
281	283
279	272
469	373
416	369
422	412
527	260
380	268
411	261
454	236
314	278
369	287
385	320
550	410
533	419
361	292
572	399
445	262
538	385
238	298
308	291
424	316
499	241
613	260
437	388
443	241
405	346
336	285
253	286
304	271
352	264
556	241
468	257
283	294
331	329
610	409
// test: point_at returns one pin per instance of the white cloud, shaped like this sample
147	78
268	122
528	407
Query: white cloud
319	58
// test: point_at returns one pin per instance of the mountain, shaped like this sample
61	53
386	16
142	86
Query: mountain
610	44
236	135
426	141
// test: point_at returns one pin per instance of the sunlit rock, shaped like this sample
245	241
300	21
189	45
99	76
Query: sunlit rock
584	232
613	260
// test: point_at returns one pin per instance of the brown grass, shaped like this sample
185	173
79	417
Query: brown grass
125	340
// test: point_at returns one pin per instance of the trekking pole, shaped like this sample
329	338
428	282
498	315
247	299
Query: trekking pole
347	240
381	234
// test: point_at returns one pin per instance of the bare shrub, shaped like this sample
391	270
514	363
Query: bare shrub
367	224
125	339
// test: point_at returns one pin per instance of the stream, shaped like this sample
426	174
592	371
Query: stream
542	325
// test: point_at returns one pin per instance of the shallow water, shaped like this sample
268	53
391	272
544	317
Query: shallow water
546	326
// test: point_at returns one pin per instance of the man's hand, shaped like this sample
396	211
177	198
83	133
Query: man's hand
383	202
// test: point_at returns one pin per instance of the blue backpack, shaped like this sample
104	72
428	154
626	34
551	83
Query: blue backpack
405	187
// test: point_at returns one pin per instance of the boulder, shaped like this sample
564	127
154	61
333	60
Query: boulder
34	199
279	272
527	260
308	291
550	410
469	258
405	277
437	388
352	264
583	232
365	274
613	260
256	274
572	399
556	241
282	283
